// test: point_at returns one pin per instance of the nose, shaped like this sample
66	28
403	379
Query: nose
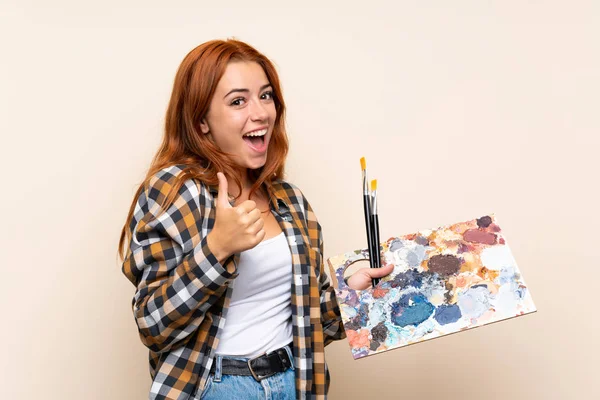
258	111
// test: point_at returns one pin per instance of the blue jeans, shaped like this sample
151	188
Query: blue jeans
281	386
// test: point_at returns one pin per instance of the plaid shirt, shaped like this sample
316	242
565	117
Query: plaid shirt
183	292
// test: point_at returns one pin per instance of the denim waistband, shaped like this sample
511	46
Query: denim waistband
219	359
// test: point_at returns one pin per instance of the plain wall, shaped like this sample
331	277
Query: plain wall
461	108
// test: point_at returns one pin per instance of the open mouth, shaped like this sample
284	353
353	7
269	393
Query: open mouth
256	140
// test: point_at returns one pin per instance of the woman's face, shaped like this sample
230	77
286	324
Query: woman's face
241	114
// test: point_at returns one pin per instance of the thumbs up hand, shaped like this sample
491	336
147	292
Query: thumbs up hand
236	228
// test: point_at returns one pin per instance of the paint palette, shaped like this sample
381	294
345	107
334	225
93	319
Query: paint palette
444	281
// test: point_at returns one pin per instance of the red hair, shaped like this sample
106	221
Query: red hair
183	142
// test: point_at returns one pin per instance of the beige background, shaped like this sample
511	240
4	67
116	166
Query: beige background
462	108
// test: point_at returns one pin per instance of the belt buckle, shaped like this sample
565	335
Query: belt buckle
256	377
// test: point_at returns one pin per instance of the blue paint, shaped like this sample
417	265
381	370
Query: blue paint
363	313
360	353
396	244
404	313
340	278
474	302
415	256
412	259
352	299
412	277
447	314
423	241
386	285
521	292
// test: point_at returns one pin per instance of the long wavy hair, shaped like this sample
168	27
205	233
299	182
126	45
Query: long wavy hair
183	142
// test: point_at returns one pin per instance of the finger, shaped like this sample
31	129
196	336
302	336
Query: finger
254	216
222	196
247	206
359	280
258	237
257	225
380	272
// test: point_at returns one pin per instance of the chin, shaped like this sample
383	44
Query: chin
256	164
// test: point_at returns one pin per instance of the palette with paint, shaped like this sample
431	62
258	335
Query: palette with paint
445	280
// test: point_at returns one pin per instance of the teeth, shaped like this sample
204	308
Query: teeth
257	133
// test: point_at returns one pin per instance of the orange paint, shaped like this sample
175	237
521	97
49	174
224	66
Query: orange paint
358	339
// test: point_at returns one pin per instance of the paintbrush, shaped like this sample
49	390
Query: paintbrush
375	228
367	207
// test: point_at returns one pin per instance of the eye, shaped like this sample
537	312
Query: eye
267	95
237	101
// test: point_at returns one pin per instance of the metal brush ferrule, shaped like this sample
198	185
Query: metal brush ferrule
374	202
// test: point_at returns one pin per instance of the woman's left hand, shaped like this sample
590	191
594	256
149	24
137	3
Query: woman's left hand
363	277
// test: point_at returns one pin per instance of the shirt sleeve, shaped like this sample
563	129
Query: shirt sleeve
176	282
331	319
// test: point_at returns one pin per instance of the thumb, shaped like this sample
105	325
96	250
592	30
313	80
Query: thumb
222	196
380	272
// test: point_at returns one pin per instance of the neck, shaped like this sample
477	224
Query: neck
243	175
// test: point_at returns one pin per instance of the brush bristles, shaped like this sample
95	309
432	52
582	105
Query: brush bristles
363	163
374	185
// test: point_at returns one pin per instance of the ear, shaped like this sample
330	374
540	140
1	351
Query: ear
204	126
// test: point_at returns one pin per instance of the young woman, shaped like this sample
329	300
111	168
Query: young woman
227	257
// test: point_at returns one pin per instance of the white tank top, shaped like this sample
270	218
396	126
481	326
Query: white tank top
259	315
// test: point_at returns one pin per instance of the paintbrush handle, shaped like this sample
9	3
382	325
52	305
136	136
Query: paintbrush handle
367	205
376	249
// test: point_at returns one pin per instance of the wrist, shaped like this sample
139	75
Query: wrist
216	248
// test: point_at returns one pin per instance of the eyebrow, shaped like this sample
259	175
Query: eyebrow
263	87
